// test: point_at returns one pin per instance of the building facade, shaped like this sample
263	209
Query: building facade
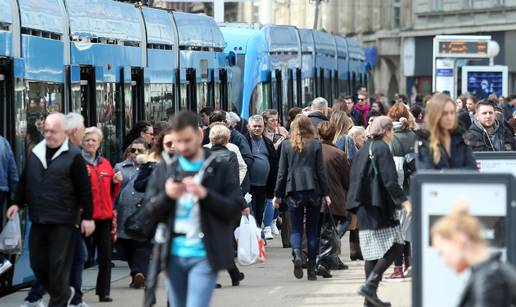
400	32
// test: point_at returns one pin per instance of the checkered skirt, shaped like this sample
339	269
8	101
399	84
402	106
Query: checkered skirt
375	243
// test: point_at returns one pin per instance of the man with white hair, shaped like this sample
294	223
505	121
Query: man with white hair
318	111
75	122
56	188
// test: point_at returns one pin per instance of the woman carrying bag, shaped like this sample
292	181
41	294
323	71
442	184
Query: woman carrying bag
301	178
375	199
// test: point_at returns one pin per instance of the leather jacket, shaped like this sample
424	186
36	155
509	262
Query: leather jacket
492	284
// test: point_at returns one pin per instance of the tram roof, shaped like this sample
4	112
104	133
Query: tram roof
342	46
5	11
324	42
104	19
307	40
197	30
43	15
160	29
281	38
355	50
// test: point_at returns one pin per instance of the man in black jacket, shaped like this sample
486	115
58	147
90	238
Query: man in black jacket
195	196
56	187
318	111
486	132
264	168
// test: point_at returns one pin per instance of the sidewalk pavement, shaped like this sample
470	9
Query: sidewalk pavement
267	284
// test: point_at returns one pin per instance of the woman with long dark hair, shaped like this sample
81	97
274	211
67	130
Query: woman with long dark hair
375	199
301	178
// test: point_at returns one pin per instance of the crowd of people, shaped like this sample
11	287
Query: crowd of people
201	172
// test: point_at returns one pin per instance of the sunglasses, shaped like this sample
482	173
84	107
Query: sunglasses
168	144
139	150
362	99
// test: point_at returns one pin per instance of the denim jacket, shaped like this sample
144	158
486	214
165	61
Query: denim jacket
8	170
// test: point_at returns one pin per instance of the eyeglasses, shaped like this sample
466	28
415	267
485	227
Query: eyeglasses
139	150
168	144
362	99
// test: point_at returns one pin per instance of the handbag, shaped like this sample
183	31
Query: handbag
329	242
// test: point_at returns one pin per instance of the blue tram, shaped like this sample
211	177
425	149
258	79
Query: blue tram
281	66
113	62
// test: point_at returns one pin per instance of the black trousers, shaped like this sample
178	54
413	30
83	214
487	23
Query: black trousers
51	254
259	197
137	254
102	237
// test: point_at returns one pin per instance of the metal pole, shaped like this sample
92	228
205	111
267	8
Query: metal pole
316	17
266	12
218	10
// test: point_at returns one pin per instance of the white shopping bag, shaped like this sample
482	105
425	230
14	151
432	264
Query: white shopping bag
10	238
249	242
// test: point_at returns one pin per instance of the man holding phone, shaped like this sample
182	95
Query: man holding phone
194	195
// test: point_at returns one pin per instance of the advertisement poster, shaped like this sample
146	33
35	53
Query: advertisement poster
481	81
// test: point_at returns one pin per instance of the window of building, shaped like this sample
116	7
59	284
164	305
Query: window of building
437	5
396	14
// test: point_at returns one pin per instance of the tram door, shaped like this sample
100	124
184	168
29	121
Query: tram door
6	99
191	90
299	88
137	94
83	93
277	93
224	90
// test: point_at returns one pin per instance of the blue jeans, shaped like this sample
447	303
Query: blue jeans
190	281
299	204
268	216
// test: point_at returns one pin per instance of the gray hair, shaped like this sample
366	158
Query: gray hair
61	117
74	121
94	130
319	104
356	130
257	118
232	118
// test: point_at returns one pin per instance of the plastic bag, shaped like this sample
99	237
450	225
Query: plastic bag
10	238
250	245
329	243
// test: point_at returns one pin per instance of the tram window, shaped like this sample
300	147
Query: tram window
42	99
106	121
260	100
218	105
183	90
237	80
168	102
308	91
128	106
22	131
202	95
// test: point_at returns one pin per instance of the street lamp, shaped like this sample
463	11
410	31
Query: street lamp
492	51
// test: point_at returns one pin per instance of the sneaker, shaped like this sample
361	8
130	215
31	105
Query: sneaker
408	272
267	233
72	294
274	229
33	304
396	276
6	265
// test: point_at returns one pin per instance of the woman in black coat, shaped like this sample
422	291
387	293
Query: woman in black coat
301	178
374	199
442	147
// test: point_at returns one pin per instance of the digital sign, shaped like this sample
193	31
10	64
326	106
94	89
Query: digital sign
478	48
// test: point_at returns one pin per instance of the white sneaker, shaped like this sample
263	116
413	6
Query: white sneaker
267	233
33	304
274	229
6	265
72	294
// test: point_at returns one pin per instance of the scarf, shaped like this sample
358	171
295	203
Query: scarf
364	110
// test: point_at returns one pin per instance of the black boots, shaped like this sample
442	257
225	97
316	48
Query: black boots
323	271
312	275
298	263
236	276
369	291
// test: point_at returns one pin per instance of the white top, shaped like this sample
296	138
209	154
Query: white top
242	167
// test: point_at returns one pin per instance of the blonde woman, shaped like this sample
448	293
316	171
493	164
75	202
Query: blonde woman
341	140
458	240
442	147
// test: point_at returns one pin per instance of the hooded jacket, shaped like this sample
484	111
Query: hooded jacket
481	140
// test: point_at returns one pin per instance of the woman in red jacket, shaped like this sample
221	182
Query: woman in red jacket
104	187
